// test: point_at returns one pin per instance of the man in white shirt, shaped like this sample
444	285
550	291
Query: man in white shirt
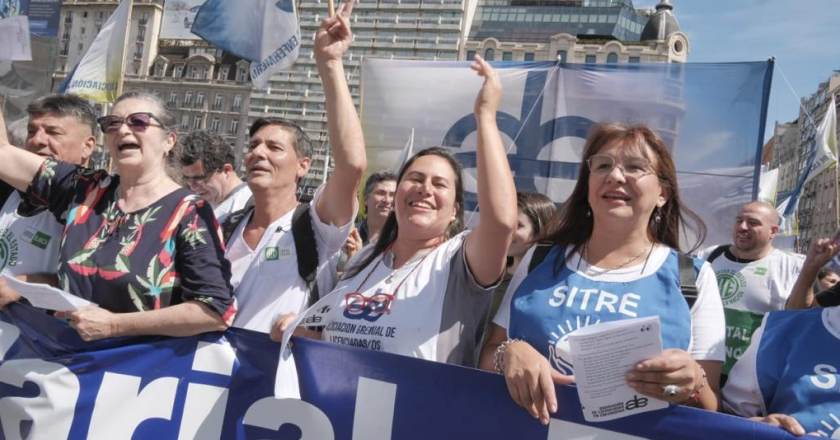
754	278
262	249
61	127
208	168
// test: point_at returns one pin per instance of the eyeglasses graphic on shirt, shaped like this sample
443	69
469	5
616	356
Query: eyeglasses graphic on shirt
355	303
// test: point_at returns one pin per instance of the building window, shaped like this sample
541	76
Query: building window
529	56
612	57
193	72
634	59
173	99
197	123
562	56
160	70
234	126
470	55
217	104
188	98
489	55
214	126
242	74
223	73
590	58
507	56
199	99
83	30
237	103
185	122
178	72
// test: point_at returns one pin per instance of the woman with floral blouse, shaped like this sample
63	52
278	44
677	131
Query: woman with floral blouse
145	250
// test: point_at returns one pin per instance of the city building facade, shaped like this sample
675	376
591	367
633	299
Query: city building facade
785	157
817	212
583	31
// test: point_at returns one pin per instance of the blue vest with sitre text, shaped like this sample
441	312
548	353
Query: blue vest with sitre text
797	366
546	307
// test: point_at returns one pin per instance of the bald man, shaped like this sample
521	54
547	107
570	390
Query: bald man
754	278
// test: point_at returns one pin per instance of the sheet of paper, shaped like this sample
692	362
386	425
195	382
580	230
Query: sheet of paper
46	297
603	354
14	33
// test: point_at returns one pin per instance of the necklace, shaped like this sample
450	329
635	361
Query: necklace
597	272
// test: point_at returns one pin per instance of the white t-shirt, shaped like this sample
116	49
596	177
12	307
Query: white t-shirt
436	310
760	286
28	245
749	290
236	200
707	320
265	280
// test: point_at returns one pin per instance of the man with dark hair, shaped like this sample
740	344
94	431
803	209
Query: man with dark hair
61	127
380	189
208	168
265	248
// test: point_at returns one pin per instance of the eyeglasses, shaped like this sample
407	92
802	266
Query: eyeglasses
196	180
357	303
633	167
138	122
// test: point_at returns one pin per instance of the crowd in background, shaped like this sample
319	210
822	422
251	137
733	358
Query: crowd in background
172	242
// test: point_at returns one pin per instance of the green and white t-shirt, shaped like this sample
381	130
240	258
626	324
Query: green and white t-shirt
749	289
28	245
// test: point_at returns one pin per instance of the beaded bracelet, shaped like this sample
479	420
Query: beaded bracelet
498	357
694	397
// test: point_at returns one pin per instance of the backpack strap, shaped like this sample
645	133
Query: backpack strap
307	249
540	252
305	245
717	252
232	221
688	279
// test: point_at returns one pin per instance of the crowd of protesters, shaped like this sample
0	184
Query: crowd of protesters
161	258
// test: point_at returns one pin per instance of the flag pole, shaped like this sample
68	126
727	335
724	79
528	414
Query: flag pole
125	50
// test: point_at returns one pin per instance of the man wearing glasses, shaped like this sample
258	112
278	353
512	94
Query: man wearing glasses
208	169
61	127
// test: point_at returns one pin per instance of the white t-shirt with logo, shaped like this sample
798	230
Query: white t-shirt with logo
749	291
28	245
437	313
236	200
265	280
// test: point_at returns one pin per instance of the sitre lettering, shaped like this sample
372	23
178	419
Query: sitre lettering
596	300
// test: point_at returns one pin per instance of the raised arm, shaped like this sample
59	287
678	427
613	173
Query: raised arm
819	253
19	166
347	144
488	243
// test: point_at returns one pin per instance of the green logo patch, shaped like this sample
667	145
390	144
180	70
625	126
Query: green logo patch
760	271
271	253
36	238
731	285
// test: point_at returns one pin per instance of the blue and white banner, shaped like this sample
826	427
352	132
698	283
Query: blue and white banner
711	116
264	32
219	386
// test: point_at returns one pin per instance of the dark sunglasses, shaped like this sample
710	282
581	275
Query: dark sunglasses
138	122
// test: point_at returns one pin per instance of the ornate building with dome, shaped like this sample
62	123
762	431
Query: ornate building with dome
583	31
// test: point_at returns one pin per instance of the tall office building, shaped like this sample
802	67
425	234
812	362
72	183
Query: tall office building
396	29
582	31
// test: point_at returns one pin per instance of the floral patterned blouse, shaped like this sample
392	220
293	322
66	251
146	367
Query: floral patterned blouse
161	255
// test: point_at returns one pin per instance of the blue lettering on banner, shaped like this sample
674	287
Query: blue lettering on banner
219	386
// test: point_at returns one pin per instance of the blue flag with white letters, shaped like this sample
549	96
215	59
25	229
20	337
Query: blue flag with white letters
711	116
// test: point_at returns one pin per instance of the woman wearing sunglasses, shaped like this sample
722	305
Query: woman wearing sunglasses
615	257
137	244
424	288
